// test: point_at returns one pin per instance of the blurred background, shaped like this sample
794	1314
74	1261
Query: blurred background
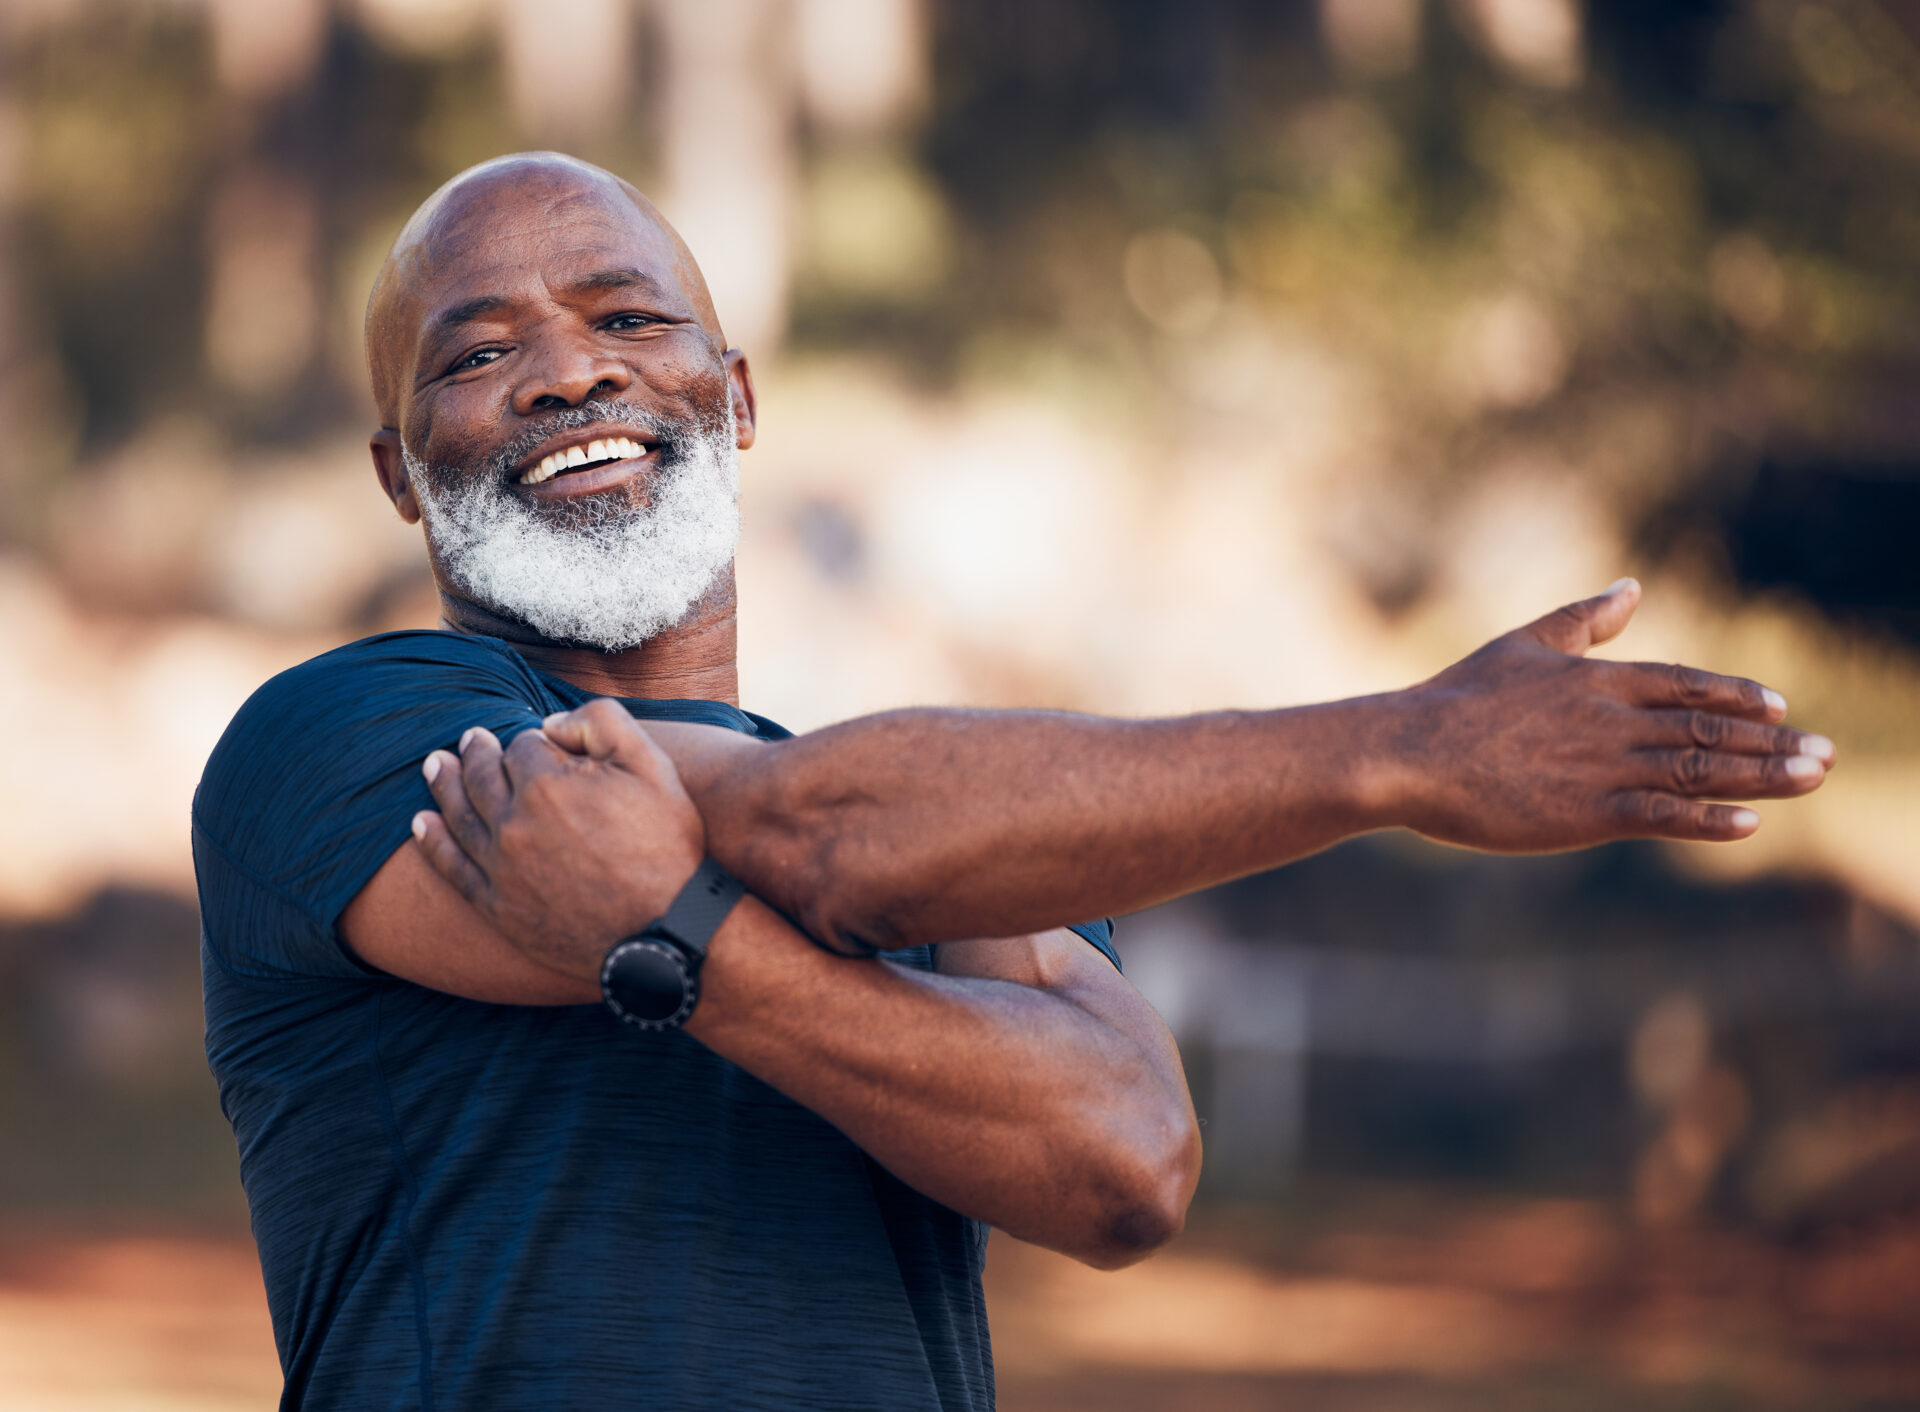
1134	357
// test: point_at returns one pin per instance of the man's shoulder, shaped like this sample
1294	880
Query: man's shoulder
385	652
313	783
360	675
392	681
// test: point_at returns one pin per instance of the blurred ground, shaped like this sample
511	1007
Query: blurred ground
1405	1301
1390	1301
115	1324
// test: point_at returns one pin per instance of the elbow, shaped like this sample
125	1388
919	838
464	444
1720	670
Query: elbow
1147	1199
1134	1233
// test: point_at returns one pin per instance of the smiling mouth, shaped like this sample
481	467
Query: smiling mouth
608	451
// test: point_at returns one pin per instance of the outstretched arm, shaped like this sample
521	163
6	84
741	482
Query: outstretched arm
931	825
918	826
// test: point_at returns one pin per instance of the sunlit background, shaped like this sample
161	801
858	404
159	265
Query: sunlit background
1133	357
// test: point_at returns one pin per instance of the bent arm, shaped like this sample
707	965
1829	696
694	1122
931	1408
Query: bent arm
1028	1085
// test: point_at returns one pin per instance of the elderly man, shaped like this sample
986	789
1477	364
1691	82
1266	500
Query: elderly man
591	1041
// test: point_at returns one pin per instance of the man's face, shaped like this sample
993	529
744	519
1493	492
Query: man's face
567	422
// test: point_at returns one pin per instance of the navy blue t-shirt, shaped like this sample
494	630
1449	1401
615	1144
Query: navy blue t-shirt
467	1206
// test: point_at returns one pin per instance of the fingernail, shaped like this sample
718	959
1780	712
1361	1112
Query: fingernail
1817	746
1804	767
419	825
1745	818
466	736
1775	701
430	767
1618	586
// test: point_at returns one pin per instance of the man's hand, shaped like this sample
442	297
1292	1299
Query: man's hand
563	851
1527	747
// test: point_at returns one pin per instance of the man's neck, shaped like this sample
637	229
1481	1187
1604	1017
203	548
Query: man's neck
695	658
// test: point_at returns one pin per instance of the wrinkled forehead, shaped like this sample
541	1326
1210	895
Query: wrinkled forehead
520	233
528	216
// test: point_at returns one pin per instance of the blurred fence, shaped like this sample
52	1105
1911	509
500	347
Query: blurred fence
1600	1026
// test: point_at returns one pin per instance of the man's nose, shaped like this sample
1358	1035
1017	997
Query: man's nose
566	372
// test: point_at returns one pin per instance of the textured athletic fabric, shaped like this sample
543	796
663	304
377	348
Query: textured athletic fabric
467	1206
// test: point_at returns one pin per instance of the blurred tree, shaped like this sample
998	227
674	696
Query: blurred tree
1640	246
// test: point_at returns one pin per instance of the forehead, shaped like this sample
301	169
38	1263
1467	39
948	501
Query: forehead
527	239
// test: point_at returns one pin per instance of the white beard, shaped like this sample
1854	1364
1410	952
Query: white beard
601	571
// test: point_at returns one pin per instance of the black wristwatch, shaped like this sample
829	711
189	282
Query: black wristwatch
652	979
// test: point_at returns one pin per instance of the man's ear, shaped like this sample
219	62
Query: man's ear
745	404
391	467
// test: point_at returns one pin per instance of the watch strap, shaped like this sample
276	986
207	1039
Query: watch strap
706	901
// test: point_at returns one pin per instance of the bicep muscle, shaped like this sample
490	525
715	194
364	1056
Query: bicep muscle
409	922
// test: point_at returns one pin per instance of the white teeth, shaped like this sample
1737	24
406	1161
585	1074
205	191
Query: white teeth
613	448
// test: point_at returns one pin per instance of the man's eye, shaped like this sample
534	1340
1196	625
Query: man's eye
480	357
621	322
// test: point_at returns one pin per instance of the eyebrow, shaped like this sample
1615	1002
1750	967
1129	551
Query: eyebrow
616	277
466	313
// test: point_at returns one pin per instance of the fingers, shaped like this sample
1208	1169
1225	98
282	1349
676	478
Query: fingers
604	730
483	771
1588	623
1711	731
530	754
1720	774
446	856
447	783
1669	684
601	728
1652	813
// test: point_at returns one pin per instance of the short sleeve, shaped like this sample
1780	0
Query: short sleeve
1100	934
316	781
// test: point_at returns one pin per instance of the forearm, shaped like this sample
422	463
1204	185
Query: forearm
1013	1104
933	825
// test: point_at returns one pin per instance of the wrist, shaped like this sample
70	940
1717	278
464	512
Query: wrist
1390	770
654	889
652	979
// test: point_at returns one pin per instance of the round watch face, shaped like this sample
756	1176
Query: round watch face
647	983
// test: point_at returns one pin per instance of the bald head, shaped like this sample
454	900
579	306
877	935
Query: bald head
532	216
